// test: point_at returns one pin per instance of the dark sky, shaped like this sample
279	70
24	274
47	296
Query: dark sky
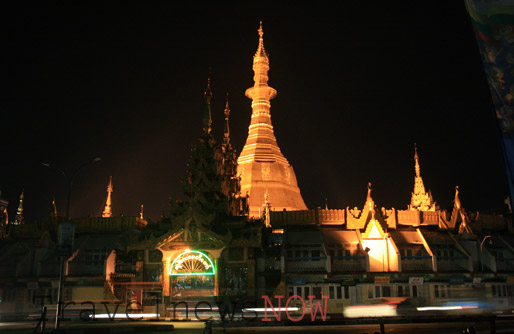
357	86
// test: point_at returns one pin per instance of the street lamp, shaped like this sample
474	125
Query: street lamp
69	181
481	254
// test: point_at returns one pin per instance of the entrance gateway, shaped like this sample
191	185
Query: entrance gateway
192	274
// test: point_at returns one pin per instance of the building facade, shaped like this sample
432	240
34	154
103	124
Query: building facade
244	232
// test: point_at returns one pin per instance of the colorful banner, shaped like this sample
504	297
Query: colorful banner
493	23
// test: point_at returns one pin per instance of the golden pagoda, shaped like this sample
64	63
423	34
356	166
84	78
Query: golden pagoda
261	165
420	199
108	209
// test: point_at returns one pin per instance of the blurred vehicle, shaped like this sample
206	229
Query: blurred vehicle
380	307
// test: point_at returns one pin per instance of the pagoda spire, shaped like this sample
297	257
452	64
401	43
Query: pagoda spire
207	117
260	49
416	159
226	130
420	199
19	219
54	208
261	164
456	200
108	210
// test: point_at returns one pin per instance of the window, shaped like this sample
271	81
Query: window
377	291
442	291
304	291
316	254
403	291
370	292
414	291
339	292
305	255
316	291
297	254
499	290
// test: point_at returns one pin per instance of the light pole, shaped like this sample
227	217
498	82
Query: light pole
481	254
69	181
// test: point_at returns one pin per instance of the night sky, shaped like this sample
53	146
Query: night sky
357	86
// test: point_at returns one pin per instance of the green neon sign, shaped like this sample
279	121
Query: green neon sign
192	263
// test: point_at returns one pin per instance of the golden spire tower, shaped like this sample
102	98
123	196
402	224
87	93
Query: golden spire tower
108	210
261	164
420	199
226	130
19	219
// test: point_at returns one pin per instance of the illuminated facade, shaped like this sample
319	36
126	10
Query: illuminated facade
261	165
232	238
356	256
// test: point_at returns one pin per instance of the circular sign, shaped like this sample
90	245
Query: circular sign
192	263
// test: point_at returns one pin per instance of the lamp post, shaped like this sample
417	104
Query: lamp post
481	254
69	181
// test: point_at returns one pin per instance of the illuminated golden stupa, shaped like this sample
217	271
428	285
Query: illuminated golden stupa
261	165
420	200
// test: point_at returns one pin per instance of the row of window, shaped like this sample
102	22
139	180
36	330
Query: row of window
305	291
339	292
407	254
343	252
499	290
380	291
304	255
334	291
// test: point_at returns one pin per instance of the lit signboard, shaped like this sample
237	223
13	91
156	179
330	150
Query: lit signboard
192	263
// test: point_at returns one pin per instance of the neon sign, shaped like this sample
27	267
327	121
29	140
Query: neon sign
192	263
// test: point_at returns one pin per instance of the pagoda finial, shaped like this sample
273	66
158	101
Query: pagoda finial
19	219
416	159
141	212
207	117
54	208
226	132
108	210
260	50
457	199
